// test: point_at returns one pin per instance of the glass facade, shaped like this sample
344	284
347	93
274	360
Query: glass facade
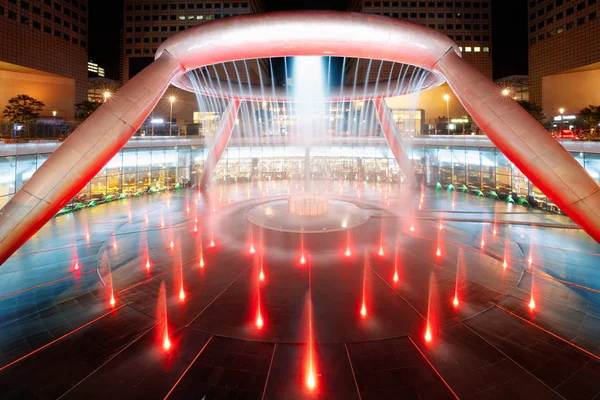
138	169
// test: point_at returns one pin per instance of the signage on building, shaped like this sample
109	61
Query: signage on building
565	117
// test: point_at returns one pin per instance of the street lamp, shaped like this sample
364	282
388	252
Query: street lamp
447	98
561	111
106	95
171	100
505	92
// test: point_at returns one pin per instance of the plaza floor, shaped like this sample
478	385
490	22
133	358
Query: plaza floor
378	273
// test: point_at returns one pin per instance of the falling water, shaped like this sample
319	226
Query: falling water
309	98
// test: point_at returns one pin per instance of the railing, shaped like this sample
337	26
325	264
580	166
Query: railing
12	147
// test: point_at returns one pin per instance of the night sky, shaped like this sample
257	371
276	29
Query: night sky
509	47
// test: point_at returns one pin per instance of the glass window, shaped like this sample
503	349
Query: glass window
7	175
26	166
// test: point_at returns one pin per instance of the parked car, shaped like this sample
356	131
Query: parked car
566	134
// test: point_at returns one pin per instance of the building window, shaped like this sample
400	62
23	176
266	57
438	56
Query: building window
477	49
486	49
468	49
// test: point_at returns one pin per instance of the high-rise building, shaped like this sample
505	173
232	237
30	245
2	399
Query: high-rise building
564	54
148	23
468	23
43	52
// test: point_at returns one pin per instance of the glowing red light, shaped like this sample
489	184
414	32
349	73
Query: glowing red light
531	304
201	262
348	253
310	380
455	301
380	250
162	224
428	336
166	344
363	310
441	226
147	264
494	231
438	252
530	261
195	220
302	259
115	245
171	245
412	228
188	210
112	300
212	243
504	264
252	250
181	294
482	243
76	266
262	275
87	237
419	206
195	228
396	277
259	321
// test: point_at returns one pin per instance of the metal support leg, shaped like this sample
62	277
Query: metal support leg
392	136
526	143
220	142
89	148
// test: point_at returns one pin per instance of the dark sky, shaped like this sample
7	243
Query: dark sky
509	47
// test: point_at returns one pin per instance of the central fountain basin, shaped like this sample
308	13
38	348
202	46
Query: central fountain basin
297	214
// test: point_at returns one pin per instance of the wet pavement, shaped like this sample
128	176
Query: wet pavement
61	338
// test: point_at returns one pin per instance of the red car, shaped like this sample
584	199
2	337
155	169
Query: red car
566	134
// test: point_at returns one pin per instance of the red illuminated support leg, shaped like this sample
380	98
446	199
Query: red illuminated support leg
220	142
392	136
85	152
526	143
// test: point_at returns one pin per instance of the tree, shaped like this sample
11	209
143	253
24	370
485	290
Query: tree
23	109
534	110
591	116
85	109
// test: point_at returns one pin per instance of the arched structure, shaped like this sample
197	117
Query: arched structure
526	143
